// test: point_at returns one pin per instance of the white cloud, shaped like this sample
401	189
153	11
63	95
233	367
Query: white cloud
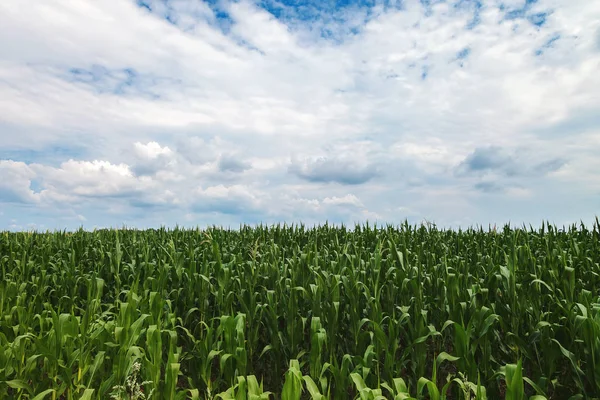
270	119
89	178
151	150
15	185
152	158
349	199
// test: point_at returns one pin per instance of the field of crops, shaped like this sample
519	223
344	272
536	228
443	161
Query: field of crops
291	312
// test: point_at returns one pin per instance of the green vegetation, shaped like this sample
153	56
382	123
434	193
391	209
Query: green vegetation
297	313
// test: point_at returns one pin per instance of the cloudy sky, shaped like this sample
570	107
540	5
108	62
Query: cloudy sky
162	112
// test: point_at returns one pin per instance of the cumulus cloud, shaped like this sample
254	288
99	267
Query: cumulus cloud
337	170
15	184
348	164
489	158
151	158
89	178
347	200
232	163
494	159
151	150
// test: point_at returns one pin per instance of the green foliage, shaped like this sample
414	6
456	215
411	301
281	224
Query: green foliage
295	313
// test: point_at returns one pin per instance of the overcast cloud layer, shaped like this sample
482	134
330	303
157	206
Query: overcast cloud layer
164	112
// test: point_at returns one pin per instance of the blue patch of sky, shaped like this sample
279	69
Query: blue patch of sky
427	5
317	9
514	14
171	18
36	185
424	72
523	12
104	80
548	45
335	10
53	155
9	196
538	19
129	79
143	4
92	75
462	55
224	20
473	5
119	81
291	12
249	46
330	18
169	13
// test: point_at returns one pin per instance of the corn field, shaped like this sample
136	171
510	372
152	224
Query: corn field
290	312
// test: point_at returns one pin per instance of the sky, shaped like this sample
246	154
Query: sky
148	113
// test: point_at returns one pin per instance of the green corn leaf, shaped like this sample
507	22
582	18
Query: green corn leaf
432	389
312	388
87	394
44	394
514	381
19	384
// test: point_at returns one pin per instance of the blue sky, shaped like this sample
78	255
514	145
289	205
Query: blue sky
161	112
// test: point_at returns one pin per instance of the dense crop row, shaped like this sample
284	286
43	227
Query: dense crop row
319	313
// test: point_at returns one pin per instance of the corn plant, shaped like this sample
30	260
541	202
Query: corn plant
292	312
